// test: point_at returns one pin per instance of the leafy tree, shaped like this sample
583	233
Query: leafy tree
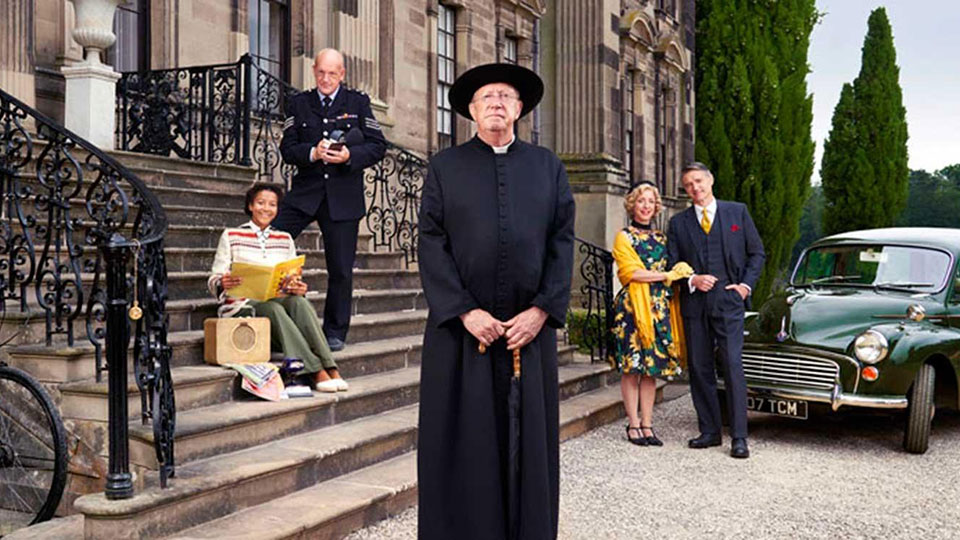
754	113
811	223
864	169
934	199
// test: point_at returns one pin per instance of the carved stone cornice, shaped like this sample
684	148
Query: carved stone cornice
637	26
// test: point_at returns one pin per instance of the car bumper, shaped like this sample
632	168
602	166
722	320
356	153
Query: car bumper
836	398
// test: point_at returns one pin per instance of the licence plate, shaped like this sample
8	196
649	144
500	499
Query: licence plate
792	408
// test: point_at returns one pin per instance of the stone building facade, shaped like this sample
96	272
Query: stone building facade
619	100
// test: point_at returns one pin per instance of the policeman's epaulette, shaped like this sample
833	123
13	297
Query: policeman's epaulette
356	90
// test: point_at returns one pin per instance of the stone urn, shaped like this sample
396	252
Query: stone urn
94	27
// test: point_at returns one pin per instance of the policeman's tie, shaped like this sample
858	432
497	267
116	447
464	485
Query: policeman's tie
705	222
326	103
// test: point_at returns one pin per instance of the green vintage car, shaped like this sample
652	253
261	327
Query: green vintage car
870	319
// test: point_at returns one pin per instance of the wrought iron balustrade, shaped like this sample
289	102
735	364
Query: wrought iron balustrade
71	219
393	189
596	269
198	113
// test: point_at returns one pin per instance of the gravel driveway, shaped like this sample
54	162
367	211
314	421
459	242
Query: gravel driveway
830	477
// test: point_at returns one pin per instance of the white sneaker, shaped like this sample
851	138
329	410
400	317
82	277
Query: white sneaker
329	386
342	385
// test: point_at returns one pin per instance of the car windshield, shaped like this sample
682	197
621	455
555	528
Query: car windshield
910	269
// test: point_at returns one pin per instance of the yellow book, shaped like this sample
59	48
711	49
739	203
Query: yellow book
262	281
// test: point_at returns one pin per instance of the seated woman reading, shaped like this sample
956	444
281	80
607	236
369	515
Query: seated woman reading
294	327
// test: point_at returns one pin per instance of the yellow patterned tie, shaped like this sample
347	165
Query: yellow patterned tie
705	222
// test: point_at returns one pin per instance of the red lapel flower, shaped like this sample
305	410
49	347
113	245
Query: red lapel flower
734	228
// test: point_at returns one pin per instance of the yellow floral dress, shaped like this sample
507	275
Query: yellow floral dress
655	354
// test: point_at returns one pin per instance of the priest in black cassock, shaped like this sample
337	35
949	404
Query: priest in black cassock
496	259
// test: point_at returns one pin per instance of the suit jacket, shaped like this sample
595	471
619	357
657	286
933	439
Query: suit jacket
305	126
743	253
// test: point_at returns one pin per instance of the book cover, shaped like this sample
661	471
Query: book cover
262	281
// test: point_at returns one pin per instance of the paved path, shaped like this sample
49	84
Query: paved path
828	477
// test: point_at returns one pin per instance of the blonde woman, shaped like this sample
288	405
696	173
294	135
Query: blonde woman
647	324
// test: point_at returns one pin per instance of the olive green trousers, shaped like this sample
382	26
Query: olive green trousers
295	330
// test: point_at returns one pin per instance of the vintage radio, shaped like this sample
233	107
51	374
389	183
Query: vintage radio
242	340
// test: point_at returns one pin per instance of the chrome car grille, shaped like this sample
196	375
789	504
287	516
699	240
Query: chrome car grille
804	371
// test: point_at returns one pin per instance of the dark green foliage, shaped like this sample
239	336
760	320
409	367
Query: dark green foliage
934	199
811	223
864	169
754	114
585	332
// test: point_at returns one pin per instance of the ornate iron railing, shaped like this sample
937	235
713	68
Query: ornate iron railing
268	106
198	113
71	219
393	189
596	270
234	113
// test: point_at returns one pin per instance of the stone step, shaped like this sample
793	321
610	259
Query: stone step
152	169
180	259
211	198
29	326
208	236
361	498
190	314
61	363
202	385
235	484
248	421
186	285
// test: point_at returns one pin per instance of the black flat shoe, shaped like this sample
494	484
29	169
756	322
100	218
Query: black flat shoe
704	441
639	441
738	449
652	439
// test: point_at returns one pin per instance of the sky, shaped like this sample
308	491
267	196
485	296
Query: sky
928	53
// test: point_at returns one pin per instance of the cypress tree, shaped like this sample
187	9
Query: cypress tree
864	170
754	114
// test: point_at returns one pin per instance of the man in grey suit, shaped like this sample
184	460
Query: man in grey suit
719	240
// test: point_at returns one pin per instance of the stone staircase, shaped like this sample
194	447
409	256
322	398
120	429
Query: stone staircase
318	467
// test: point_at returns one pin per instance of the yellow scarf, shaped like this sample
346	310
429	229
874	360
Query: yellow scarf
629	262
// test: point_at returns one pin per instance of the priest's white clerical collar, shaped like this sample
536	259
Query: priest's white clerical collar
503	149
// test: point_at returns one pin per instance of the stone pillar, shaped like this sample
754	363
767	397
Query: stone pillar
16	49
90	109
357	32
587	107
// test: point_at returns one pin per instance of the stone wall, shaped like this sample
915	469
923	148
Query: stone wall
588	51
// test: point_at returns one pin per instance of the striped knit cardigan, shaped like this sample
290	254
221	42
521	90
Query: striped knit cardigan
244	244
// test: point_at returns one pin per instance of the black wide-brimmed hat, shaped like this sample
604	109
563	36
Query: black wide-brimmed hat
527	83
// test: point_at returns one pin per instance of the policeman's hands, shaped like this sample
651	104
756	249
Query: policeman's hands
741	289
482	326
228	282
335	156
524	327
703	282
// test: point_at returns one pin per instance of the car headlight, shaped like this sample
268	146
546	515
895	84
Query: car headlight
870	347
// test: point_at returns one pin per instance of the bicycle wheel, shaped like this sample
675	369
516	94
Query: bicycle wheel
33	452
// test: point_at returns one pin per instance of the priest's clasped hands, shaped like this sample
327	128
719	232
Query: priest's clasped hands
519	330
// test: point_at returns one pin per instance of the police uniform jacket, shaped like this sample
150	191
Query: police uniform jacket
306	125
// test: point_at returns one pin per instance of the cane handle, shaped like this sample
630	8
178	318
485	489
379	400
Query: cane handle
516	362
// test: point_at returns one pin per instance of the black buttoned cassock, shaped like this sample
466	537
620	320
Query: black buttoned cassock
496	232
331	195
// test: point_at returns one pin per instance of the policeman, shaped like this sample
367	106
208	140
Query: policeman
328	187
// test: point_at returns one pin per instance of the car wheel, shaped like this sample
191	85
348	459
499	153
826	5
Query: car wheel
916	437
